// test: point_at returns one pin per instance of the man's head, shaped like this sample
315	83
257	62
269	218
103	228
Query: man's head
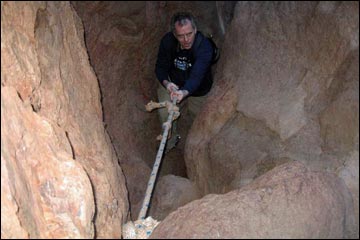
184	29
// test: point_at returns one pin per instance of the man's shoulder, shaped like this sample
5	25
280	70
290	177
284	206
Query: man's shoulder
201	41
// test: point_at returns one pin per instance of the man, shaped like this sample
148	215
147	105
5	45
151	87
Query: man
183	67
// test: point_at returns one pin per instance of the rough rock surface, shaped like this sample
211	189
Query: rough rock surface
287	202
287	87
171	192
60	176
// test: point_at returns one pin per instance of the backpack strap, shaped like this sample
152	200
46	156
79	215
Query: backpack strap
216	52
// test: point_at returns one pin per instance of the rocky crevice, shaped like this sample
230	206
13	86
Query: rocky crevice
279	128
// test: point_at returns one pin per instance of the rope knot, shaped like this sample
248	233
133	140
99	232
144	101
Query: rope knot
140	229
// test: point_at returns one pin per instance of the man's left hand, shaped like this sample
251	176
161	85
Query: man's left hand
180	95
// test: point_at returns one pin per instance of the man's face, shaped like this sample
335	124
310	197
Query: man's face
185	34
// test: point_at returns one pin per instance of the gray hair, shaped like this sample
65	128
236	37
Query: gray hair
181	18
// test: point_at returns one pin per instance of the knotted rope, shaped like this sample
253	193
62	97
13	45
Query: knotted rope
143	227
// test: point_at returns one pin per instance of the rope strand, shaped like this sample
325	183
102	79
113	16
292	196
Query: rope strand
151	182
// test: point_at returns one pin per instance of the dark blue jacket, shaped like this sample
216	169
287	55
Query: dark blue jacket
189	69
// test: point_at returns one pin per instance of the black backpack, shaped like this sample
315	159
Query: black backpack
216	50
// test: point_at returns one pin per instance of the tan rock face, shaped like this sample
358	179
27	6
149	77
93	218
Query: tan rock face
288	88
171	192
118	40
287	202
49	192
60	175
340	120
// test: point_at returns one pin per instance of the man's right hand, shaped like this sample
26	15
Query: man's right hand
180	95
171	87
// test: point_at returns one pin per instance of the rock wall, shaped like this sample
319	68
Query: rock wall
289	201
60	176
287	88
289	67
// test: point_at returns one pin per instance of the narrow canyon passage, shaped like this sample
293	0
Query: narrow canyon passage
122	40
274	152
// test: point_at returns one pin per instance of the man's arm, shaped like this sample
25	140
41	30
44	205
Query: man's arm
202	63
171	87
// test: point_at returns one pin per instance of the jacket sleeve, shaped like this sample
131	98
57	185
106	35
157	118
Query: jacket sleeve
202	63
163	62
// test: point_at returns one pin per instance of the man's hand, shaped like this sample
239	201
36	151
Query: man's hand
171	87
180	95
